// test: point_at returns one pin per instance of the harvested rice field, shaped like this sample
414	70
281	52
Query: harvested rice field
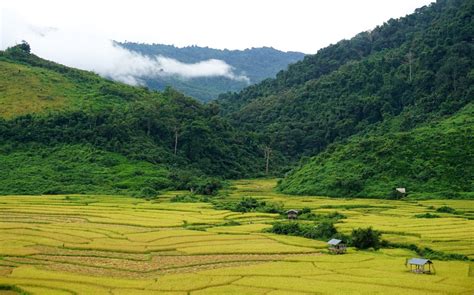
77	244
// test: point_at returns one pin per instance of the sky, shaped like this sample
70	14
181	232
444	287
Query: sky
79	32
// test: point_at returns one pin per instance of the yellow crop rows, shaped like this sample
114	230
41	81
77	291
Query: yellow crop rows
119	245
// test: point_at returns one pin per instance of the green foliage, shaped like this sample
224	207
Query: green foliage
365	238
306	214
446	209
12	288
431	159
189	198
77	169
427	215
23	47
318	231
401	75
249	204
148	192
429	253
187	180
207	186
286	228
388	108
128	124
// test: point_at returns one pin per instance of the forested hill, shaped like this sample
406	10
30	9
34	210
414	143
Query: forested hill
390	107
256	64
414	68
436	160
64	130
364	108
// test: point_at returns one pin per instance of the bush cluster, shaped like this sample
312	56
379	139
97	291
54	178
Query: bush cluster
249	204
317	231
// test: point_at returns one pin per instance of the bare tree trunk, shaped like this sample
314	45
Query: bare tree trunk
267	152
176	129
410	61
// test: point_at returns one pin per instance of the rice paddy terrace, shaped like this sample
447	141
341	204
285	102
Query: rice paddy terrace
68	244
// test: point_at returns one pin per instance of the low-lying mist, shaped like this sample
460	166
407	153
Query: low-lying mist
88	51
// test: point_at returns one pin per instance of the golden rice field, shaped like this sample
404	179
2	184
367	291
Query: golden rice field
122	245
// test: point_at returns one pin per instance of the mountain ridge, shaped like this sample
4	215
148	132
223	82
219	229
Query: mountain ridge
256	64
400	76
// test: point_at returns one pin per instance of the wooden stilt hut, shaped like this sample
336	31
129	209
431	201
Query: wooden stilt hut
418	265
292	214
336	246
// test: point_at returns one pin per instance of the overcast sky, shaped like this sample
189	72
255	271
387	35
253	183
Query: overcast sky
78	33
296	25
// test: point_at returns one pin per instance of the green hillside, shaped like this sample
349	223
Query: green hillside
70	131
415	69
78	169
390	107
256	64
368	109
29	84
436	160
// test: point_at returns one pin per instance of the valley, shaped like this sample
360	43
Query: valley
69	244
192	170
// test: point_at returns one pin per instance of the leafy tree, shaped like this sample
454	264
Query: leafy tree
365	238
24	46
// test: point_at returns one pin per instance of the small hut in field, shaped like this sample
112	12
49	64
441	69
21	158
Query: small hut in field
292	214
336	246
400	192
421	265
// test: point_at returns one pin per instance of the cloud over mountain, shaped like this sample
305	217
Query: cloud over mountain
89	51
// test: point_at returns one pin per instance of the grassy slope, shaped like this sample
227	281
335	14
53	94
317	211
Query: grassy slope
32	86
29	88
435	159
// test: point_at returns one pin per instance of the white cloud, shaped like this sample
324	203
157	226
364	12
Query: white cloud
92	52
211	67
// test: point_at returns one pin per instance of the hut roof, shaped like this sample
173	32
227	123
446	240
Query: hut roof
334	242
419	261
401	190
292	211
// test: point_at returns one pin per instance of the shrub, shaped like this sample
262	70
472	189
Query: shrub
249	204
148	192
446	209
207	186
305	210
306	214
185	180
365	238
189	198
427	215
336	215
286	228
321	231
